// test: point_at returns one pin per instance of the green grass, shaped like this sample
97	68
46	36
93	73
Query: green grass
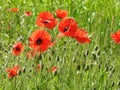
94	66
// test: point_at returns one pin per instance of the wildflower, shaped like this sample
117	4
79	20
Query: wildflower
81	36
67	27
61	13
116	37
46	19
40	40
13	71
28	13
31	54
14	9
52	43
38	67
17	49
54	69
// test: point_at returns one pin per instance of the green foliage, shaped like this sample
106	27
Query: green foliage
94	66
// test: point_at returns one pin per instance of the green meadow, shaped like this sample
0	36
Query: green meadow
93	66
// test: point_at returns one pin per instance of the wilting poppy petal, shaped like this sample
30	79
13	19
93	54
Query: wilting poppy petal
31	54
17	49
61	13
13	71
54	69
52	43
81	36
61	35
28	13
116	37
14	9
68	26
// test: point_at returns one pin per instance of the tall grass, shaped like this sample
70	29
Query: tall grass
94	66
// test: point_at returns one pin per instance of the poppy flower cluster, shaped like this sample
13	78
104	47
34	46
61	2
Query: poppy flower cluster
12	72
69	27
15	10
40	40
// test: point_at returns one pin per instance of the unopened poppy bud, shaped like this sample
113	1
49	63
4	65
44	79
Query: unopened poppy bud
112	84
87	68
106	69
94	56
91	65
53	51
96	48
78	67
19	72
24	70
118	83
94	88
30	70
74	60
33	65
28	75
58	58
55	73
86	52
113	70
98	53
42	66
99	66
83	65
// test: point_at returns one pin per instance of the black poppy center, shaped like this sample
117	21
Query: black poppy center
65	29
45	21
17	49
39	41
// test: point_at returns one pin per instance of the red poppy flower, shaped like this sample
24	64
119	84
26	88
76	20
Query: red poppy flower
17	49
38	67
40	40
54	69
67	27
46	19
81	36
13	71
28	13
116	37
61	13
14	9
31	54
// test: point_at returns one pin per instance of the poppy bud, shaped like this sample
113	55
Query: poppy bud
58	58
96	48
78	67
87	68
112	84
118	83
98	53
94	56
